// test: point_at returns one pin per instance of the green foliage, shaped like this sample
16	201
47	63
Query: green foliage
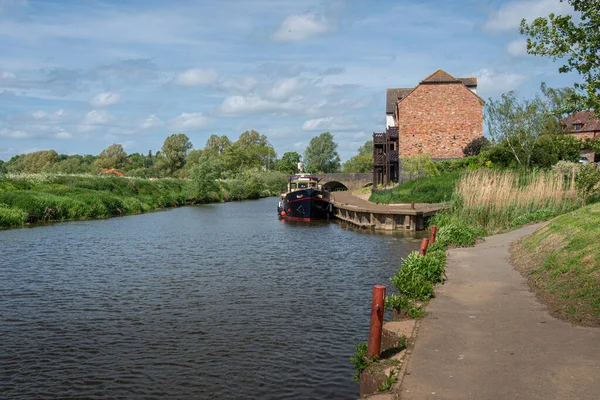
321	154
11	217
203	181
476	146
362	162
417	276
217	144
360	360
175	150
419	166
588	182
401	303
31	163
389	381
113	156
576	42
454	231
432	189
289	163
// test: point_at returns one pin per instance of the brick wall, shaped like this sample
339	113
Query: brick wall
440	119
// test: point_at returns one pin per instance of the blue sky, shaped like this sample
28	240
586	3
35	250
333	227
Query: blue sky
77	76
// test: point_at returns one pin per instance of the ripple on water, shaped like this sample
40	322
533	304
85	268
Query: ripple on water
219	301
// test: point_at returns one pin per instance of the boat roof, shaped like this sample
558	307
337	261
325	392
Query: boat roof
304	177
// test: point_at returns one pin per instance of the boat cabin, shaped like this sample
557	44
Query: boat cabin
302	182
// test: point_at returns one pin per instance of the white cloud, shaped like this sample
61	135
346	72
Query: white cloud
196	77
298	27
251	104
495	82
8	76
286	88
105	99
39	114
509	16
188	121
517	47
96	117
152	121
63	134
330	124
14	134
243	84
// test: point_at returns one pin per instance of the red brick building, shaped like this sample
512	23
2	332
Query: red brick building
440	116
583	125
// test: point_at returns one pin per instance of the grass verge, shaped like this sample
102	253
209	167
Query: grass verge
562	264
431	189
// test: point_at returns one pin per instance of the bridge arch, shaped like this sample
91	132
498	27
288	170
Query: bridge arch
334	186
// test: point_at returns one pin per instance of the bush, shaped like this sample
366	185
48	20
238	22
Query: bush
475	146
588	182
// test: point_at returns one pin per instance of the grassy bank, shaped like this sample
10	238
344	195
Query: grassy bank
38	197
431	189
562	263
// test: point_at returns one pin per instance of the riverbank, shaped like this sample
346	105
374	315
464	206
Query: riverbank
486	336
33	198
561	262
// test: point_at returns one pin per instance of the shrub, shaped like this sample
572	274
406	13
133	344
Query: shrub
475	146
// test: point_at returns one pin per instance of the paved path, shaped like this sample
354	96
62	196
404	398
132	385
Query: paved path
487	337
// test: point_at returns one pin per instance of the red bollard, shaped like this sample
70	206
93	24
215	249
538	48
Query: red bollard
376	326
424	244
433	233
412	205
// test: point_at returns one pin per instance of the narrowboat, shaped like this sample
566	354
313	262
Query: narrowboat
304	199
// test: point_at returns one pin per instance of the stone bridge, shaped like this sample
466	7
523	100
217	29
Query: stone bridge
345	181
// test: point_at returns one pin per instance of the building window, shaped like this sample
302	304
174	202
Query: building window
577	127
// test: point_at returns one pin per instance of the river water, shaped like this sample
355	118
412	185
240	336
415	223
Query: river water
211	302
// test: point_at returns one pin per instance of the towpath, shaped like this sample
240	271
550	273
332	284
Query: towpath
487	337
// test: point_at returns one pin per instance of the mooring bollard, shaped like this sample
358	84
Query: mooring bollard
412	205
433	233
376	326
424	244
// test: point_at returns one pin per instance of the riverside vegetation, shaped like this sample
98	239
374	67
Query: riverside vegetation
487	201
52	197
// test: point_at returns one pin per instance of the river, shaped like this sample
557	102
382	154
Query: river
219	301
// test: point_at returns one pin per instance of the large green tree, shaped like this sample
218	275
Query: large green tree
33	163
113	156
217	143
288	164
321	154
577	42
363	161
175	150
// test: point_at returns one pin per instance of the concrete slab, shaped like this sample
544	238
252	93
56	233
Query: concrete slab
487	337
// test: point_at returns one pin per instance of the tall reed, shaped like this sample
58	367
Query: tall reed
496	199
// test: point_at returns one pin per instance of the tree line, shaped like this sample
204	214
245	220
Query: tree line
177	157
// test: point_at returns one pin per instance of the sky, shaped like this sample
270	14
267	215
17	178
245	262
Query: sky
78	76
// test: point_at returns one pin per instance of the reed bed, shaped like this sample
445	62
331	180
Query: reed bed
499	199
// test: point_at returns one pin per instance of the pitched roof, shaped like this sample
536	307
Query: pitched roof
469	82
392	96
587	118
440	76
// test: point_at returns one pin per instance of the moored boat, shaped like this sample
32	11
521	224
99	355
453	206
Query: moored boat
304	199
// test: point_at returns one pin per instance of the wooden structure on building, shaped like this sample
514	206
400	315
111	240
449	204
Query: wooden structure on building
386	160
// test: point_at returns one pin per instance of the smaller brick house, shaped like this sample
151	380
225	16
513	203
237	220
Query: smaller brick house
582	125
439	116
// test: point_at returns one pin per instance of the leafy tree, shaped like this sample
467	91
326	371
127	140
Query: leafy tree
259	151
175	150
33	163
288	164
321	154
475	146
113	156
203	180
558	36
71	165
217	144
363	161
2	168
520	123
419	166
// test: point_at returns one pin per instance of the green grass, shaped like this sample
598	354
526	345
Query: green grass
431	189
562	261
52	197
